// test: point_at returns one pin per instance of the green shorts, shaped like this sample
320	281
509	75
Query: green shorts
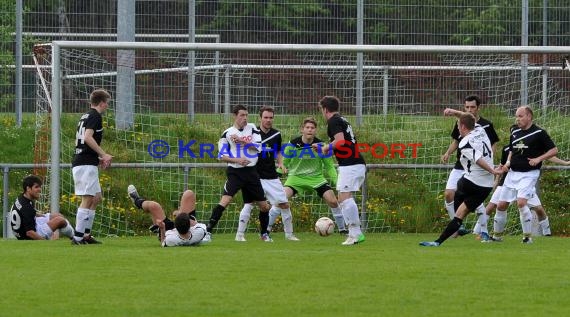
303	183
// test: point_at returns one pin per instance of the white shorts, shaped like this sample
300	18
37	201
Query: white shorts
86	179
350	178
532	202
42	227
453	178
519	185
274	191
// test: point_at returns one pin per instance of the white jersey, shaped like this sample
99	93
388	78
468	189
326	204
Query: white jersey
473	146
173	239
250	135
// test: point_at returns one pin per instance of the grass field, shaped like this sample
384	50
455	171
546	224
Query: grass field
388	275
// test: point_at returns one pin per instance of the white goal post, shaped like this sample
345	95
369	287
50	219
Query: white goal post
393	95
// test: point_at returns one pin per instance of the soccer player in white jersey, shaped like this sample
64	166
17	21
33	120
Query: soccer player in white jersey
478	178
270	153
351	169
529	145
471	104
27	223
239	146
184	231
89	155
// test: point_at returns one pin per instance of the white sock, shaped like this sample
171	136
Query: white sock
351	216
338	218
287	218
274	212
89	224
545	227
67	230
500	221
81	219
482	223
244	215
450	210
526	220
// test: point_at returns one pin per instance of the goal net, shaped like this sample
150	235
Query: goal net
395	107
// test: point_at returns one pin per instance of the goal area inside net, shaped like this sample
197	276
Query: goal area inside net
182	94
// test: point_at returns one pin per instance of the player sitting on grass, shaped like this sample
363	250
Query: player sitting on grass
184	231
29	224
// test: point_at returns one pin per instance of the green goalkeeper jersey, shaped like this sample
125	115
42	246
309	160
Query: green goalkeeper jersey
301	160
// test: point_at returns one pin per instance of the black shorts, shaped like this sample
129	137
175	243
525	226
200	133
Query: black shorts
471	194
247	180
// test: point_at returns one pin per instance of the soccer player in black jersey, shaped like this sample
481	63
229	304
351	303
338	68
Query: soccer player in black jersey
529	145
500	219
352	168
270	153
88	156
472	105
29	224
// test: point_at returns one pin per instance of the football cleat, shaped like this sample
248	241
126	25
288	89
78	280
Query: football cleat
91	240
265	237
429	244
133	194
354	240
527	240
77	242
291	237
343	231
462	231
495	238
485	237
240	237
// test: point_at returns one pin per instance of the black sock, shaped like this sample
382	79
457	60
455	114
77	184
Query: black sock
451	228
168	224
192	215
215	217
139	201
263	221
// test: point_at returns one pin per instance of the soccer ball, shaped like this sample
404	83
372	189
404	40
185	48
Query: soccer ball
324	226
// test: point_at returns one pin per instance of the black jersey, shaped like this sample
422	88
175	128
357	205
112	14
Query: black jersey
270	146
23	217
489	129
527	144
84	155
338	124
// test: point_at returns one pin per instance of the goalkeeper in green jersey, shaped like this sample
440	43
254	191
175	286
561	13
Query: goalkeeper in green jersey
305	168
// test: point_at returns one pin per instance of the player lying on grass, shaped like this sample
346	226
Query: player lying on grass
29	224
184	231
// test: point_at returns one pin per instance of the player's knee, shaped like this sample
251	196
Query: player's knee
449	195
284	205
188	194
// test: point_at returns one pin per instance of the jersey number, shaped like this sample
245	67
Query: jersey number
486	150
80	135
15	220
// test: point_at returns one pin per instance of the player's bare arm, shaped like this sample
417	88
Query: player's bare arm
550	153
104	158
452	147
